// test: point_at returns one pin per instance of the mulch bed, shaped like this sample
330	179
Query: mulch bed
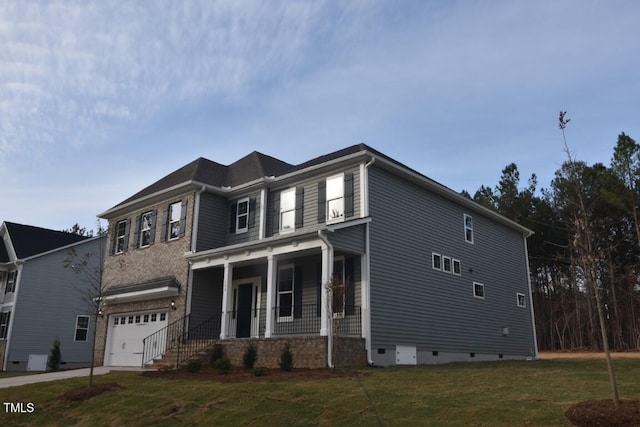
602	413
86	392
237	374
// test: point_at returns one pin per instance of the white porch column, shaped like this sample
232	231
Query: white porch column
272	277
226	299
327	270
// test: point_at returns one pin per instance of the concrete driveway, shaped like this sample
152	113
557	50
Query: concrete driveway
60	375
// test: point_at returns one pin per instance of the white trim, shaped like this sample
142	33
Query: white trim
464	223
446	259
246	227
453	269
160	292
340	217
263	214
435	255
348	223
281	211
524	300
75	331
169	222
474	290
256	300
293	295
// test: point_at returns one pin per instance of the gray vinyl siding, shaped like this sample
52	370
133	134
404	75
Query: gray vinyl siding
49	300
413	304
206	295
253	233
310	213
213	222
350	239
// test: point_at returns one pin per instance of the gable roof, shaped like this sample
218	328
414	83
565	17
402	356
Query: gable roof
4	255
28	240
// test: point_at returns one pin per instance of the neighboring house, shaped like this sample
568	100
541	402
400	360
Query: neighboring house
40	299
245	251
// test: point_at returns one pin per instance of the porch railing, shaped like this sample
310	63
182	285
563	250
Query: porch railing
163	340
199	338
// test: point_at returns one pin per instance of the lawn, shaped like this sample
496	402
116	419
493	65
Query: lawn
462	394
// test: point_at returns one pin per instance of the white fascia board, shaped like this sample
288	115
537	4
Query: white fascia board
162	292
324	165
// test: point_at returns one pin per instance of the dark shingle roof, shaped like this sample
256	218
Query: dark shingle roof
251	167
28	240
4	255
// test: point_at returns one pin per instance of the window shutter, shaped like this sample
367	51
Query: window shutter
112	251
252	212
152	236
125	246
183	218
275	212
350	294
165	224
322	201
297	292
299	207
232	217
136	233
348	195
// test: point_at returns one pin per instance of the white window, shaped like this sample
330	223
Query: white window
82	328
478	290
4	324
288	210
457	269
335	198
146	226
285	292
436	261
522	302
242	216
11	282
175	213
468	228
446	264
121	236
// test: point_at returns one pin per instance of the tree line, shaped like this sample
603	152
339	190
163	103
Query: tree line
586	247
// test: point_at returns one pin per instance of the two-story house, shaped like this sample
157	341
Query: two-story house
246	252
41	299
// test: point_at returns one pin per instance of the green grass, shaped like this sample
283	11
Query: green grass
18	374
465	394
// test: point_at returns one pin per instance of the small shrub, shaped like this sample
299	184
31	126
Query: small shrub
223	364
216	353
286	359
194	366
250	356
55	357
260	371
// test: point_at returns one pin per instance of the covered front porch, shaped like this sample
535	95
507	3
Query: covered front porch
289	287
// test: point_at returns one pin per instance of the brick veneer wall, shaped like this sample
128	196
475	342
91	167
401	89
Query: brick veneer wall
162	259
308	352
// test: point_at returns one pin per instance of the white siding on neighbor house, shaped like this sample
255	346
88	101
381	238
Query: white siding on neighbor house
414	305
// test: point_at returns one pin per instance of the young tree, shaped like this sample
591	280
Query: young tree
589	255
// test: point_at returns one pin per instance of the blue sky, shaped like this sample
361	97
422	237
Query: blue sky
99	99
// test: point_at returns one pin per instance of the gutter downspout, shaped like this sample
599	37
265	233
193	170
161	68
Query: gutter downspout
367	264
328	306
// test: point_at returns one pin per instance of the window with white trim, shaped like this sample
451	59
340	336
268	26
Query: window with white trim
288	210
146	227
4	324
121	236
436	261
457	269
175	214
242	215
478	290
521	300
335	198
82	328
285	292
446	264
468	228
11	282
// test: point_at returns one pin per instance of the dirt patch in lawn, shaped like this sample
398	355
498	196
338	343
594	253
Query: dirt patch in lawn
236	374
602	413
86	392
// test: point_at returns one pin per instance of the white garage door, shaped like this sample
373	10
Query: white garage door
126	332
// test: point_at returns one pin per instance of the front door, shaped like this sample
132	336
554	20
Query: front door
244	310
